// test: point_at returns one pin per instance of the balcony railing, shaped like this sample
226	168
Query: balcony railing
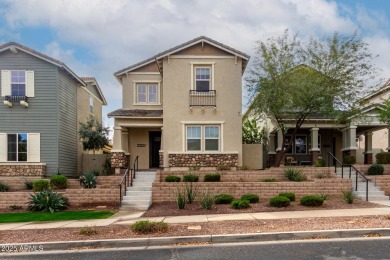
16	98
203	98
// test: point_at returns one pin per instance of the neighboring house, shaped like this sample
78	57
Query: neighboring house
42	103
181	108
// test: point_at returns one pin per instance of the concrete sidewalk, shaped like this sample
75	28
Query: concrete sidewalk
127	218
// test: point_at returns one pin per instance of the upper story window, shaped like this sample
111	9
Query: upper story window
18	83
147	93
91	104
202	79
17	147
17	86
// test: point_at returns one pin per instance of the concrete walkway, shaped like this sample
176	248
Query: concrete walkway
127	218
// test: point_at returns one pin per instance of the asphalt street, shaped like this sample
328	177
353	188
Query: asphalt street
329	249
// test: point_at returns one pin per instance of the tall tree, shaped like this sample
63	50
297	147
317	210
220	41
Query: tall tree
291	79
93	134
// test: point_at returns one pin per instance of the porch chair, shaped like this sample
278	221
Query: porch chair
291	161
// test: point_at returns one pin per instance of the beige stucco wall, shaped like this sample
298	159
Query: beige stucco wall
253	156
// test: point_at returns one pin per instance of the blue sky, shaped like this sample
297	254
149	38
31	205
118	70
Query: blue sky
97	38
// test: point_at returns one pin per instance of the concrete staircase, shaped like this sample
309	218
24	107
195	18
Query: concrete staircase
374	193
139	196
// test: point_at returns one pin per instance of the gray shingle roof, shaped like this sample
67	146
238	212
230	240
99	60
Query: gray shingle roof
135	113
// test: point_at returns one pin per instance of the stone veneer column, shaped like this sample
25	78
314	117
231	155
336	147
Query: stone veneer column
368	148
118	158
314	151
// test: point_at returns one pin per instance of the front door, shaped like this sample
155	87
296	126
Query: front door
155	144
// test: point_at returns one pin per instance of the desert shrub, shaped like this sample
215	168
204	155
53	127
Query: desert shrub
28	185
323	196
223	199
349	159
147	227
295	175
348	196
88	231
279	202
240	204
96	172
243	168
191	178
47	200
383	158
4	187
190	190
194	168
312	201
58	182
106	167
172	178
289	195
321	175
15	207
269	180
40	185
376	169
88	180
212	177
320	162
206	200
180	198
252	198
223	167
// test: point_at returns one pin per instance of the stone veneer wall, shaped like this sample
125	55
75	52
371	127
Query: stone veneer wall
204	160
161	159
118	160
22	169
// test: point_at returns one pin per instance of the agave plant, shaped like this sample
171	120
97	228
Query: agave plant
88	180
47	200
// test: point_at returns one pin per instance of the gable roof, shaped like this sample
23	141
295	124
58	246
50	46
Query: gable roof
384	88
181	47
14	47
96	86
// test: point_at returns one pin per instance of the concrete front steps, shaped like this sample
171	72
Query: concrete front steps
139	196
374	193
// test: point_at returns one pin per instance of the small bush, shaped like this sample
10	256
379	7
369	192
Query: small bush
88	180
279	202
320	162
240	204
322	175
269	180
289	195
194	168
191	178
252	198
15	207
180	198
323	196
47	200
172	178
212	177
376	169
383	158
191	191
295	175
106	166
88	231
147	227
96	172
58	182
206	200
243	168
28	185
312	201
348	159
40	185
223	199
348	196
223	167
4	187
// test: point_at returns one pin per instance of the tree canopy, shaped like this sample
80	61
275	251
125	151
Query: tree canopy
93	134
292	79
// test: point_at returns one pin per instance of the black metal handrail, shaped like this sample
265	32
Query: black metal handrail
124	181
203	98
350	166
16	98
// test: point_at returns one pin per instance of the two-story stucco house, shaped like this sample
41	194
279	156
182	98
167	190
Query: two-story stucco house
42	102
181	108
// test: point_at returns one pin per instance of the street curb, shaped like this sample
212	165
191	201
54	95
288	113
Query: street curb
187	240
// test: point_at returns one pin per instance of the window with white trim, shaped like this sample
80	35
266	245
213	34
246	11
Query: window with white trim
300	144
91	104
18	83
146	93
194	138
203	138
211	138
202	79
17	147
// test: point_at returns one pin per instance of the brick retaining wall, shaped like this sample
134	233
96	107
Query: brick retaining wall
382	181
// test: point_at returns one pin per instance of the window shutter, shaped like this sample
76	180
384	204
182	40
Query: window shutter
5	83
3	147
30	83
34	147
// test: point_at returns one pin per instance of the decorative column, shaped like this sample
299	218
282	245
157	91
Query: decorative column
161	151
368	148
271	150
125	146
315	150
349	141
118	159
280	146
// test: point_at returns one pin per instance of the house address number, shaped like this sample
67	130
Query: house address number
141	145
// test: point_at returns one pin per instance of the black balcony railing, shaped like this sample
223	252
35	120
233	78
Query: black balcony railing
203	98
16	98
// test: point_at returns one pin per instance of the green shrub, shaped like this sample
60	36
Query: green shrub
223	167
320	162
240	204
191	178
279	202
4	187
206	200
40	185
270	180
191	191
252	198
147	227
106	166
28	185
295	175
88	180
96	172
383	158
47	200
88	231
223	199
58	182
289	195
323	196
172	178
349	159
348	196
312	201
376	169
212	177
180	198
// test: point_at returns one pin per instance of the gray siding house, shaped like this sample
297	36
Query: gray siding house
39	112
